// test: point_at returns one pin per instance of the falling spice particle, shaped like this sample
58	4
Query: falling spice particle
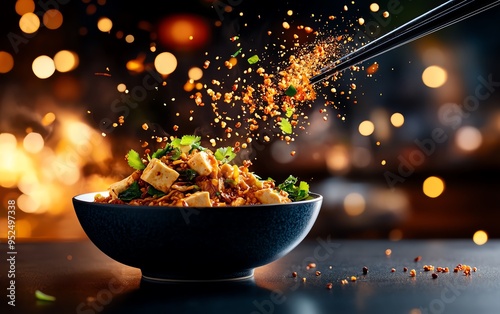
294	274
388	252
365	270
434	275
329	286
318	273
418	259
393	270
413	273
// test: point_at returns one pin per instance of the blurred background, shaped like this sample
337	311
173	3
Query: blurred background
405	147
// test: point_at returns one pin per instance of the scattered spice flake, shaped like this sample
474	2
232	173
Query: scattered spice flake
286	25
388	252
304	279
405	269
353	278
145	126
393	270
318	273
329	286
434	275
292	153
253	59
44	297
418	259
344	281
413	273
294	274
311	265
365	270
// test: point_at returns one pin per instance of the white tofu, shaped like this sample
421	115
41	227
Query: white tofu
120	186
200	162
199	199
159	175
270	196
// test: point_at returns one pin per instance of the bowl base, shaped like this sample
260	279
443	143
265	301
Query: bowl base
165	278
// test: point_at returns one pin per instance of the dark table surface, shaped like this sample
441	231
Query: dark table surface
84	280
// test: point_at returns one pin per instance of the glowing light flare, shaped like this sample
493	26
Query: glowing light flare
337	159
195	73
129	39
29	23
104	24
25	6
33	143
48	119
121	87
366	128
66	61
354	204
165	63
397	119
52	19
434	76
480	237
185	31
43	67
468	138
374	7
6	62
433	187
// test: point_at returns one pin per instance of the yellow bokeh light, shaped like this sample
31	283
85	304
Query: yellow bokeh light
66	61
354	204
165	63
52	19
480	237
43	67
29	23
397	119
189	86
366	128
104	24
48	119
374	7
129	39
433	186
135	65
25	6
121	87
195	73
468	138
434	76
6	62
33	142
338	159
28	204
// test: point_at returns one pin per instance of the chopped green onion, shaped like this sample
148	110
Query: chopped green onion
44	297
289	112
291	91
253	59
234	55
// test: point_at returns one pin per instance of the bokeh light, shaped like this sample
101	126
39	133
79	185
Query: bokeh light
43	67
468	138
186	31
121	87
195	73
33	142
165	63
366	128
129	38
397	119
25	6
29	23
434	76
354	204
433	187
104	24
480	237
374	7
66	61
52	19
6	62
48	119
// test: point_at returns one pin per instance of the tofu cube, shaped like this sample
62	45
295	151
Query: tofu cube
200	163
120	186
159	175
270	196
199	199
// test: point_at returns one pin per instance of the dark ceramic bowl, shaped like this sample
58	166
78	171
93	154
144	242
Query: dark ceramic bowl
187	243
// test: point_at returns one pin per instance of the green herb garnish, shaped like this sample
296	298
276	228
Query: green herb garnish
225	154
295	193
189	140
234	55
291	91
44	297
188	174
154	192
134	160
253	59
286	126
131	193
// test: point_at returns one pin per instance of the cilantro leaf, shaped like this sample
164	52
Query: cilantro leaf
134	160
295	193
131	193
286	126
188	140
188	174
225	154
154	192
161	152
176	154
